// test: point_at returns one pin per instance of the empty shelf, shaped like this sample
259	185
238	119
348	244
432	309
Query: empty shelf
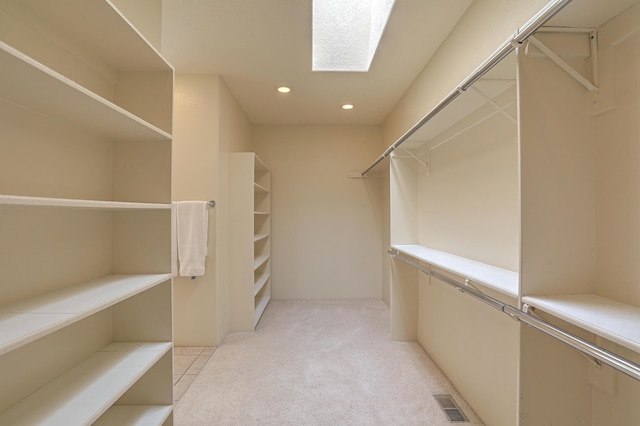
604	317
32	85
135	415
259	237
260	188
24	321
498	279
83	393
260	283
259	261
260	307
17	200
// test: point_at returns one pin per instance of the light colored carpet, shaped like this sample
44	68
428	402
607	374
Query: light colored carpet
318	363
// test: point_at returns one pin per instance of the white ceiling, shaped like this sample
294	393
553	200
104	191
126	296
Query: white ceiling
256	45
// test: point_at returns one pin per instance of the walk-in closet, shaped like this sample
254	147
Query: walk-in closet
201	223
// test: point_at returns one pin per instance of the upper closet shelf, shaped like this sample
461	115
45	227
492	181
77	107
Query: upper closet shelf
17	200
24	321
31	85
615	321
101	29
498	279
85	392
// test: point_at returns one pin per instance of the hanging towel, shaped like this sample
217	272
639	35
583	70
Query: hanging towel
192	228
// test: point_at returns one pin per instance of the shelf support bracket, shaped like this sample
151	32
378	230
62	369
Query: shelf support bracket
495	105
414	156
565	66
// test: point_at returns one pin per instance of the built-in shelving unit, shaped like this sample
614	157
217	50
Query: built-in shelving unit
529	191
250	240
85	217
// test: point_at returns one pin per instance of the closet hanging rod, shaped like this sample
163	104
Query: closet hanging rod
617	362
538	20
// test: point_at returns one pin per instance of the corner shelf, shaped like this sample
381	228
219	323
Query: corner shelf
615	321
498	279
85	392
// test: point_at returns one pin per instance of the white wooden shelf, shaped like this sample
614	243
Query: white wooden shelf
260	188
260	283
498	279
135	415
84	393
259	164
604	317
26	82
103	30
261	305
261	213
23	322
259	237
18	200
259	261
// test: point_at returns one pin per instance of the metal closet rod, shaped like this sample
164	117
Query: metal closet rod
538	20
621	364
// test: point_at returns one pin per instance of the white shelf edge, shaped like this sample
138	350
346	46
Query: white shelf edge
259	164
87	100
501	280
260	283
615	321
259	261
260	188
119	415
259	237
25	321
19	200
262	305
84	393
260	213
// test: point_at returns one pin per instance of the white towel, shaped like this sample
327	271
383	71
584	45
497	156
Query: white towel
174	239
192	228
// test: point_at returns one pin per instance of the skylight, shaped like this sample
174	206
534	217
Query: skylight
346	33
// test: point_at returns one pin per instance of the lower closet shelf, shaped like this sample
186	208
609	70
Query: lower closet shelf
135	415
24	321
498	279
260	307
84	393
615	321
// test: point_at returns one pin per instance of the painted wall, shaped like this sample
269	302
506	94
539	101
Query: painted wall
208	125
326	228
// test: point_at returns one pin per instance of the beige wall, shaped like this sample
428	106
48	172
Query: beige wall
326	228
208	125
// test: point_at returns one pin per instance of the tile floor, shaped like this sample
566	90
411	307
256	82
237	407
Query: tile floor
187	363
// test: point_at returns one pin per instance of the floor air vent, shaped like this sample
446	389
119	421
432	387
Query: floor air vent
450	408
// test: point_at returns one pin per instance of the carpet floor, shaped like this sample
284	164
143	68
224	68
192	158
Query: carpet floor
318	363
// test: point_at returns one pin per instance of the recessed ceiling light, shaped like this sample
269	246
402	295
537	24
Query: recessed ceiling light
347	106
283	89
